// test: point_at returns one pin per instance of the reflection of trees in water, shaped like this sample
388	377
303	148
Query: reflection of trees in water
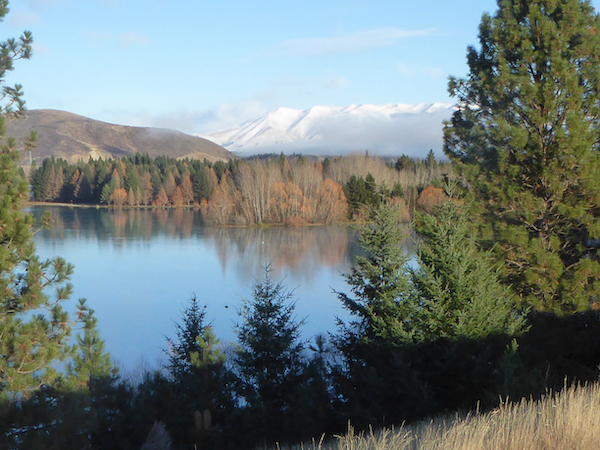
121	224
302	251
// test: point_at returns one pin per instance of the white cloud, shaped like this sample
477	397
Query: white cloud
40	49
133	39
435	73
407	69
21	18
350	43
338	82
193	121
415	70
231	114
411	134
124	39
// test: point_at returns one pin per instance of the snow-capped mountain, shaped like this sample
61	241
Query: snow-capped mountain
387	130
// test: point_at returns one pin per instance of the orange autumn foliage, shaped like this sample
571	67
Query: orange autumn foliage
430	197
118	197
288	205
330	204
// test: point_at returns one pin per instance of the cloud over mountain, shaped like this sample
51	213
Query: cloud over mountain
391	129
350	43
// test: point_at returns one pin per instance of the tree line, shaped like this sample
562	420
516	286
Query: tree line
274	190
500	300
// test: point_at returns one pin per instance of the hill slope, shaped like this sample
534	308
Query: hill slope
74	137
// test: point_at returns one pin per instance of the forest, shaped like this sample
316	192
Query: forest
275	190
499	301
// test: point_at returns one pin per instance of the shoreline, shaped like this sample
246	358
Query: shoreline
190	207
98	206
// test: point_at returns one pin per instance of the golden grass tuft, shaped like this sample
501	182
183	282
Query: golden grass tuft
569	420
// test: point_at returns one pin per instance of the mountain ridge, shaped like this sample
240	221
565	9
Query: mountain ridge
388	128
72	137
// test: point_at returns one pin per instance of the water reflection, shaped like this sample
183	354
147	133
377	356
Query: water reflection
300	251
137	268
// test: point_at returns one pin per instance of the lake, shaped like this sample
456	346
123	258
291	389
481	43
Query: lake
138	269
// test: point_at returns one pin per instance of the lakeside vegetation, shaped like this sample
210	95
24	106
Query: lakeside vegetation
501	302
276	190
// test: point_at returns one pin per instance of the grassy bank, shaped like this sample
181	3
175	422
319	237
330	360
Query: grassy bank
568	420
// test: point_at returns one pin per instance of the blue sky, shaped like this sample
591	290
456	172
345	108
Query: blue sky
200	66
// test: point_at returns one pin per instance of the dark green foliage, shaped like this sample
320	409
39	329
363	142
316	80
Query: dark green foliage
457	284
386	315
44	401
404	162
94	181
427	338
34	327
397	191
525	137
201	184
220	167
269	361
108	189
360	192
384	302
200	381
89	361
430	161
326	166
356	194
52	418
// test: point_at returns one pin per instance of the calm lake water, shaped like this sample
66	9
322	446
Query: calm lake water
138	268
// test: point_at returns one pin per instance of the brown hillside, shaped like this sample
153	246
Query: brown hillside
72	137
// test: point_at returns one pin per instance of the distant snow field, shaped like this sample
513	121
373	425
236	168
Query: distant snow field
385	130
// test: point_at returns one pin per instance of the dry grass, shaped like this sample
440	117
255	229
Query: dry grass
569	420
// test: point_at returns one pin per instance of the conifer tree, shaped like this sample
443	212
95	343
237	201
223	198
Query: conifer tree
201	380
457	283
386	317
430	161
269	358
34	327
201	184
196	345
525	136
384	302
89	360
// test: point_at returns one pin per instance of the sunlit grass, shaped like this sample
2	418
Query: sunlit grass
569	420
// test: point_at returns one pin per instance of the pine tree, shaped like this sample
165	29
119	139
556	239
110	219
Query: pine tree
201	185
196	345
201	380
356	194
405	162
384	302
89	359
457	283
525	136
269	358
34	328
387	317
430	161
